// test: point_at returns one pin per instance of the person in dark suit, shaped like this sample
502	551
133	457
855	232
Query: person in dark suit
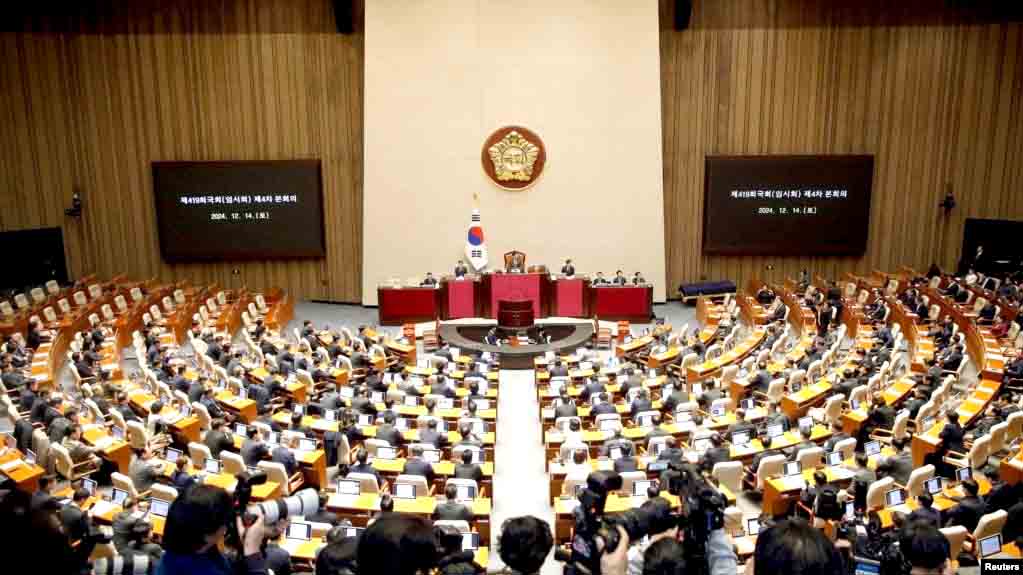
595	386
718	453
953	358
218	439
253	449
416	465
969	510
671	451
558	369
194	390
361	402
431	436
467	469
568	269
460	269
762	379
616	441
439	386
898	466
75	520
179	381
677	396
604	407
952	434
565	406
641	403
388	432
626	463
429	280
915	403
837	435
362	465
282	454
180	478
451	510
882	416
28	396
320	514
620	278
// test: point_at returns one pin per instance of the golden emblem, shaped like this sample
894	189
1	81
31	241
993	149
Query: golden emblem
513	157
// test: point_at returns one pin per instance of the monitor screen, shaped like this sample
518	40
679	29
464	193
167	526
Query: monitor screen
775	430
386	453
645	421
748	404
615	453
835	458
306	444
377	397
697	389
117	432
302	531
411	401
431	455
241	429
963	473
171	454
365	419
212	466
400	423
30	457
793	468
234	210
683	416
740	438
159	507
465	492
753	526
298	408
445	403
640	487
806	422
933	486
404	491
348	487
991	545
470	541
717	410
854	404
346	392
609	424
657	466
786	205
864	566
118	496
702	444
850	510
89	485
894	497
354	531
872	448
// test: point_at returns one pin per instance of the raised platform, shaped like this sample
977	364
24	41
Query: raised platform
564	336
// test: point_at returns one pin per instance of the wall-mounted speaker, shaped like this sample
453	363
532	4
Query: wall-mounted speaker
344	16
683	12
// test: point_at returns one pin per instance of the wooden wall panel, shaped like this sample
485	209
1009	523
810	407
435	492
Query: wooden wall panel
934	94
90	99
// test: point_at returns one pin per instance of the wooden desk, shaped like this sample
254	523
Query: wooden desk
245	409
795	405
1011	468
564	507
658	360
118	452
637	344
25	476
781	492
926	443
359	508
699	371
227	482
818	434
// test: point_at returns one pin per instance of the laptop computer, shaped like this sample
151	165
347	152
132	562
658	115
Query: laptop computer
701	444
348	487
806	422
386	453
990	545
657	466
431	455
171	454
353	531
609	424
89	485
775	430
470	541
212	466
697	389
640	487
850	510
748	404
865	566
365	419
854	404
117	433
894	497
717	410
793	468
118	496
933	486
300	531
410	401
330	415
241	429
30	457
159	507
306	444
872	448
645	421
298	408
404	491
753	526
963	473
835	458
465	492
741	438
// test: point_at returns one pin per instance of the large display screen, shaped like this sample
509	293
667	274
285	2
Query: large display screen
239	210
787	205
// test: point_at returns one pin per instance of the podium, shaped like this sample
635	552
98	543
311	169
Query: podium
630	303
515	313
532	287
570	297
460	298
407	304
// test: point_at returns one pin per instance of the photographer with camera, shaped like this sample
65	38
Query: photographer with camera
197	524
662	525
524	544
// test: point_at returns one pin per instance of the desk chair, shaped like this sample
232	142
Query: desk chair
998	433
847	447
729	474
203	415
775	391
628	479
568	448
460	524
233	463
122	481
989	524
813	372
422	488
465	483
41	445
64	306
120	303
367	483
769	466
66	468
976	458
810	457
276	472
136	294
831	412
915	485
899	430
876	491
199	453
164	492
956	536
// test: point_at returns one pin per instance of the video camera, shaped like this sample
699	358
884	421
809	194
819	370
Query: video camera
702	512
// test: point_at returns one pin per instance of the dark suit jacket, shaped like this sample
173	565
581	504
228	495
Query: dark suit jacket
641	405
285	457
566	410
218	441
435	438
952	437
416	466
452	511
967	513
253	452
713	456
367	469
602	408
76	522
626	464
469	471
390	434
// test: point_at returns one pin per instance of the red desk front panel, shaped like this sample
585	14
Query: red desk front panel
461	299
517	287
632	303
570	297
405	305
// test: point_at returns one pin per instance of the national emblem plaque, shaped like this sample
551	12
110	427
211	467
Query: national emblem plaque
513	157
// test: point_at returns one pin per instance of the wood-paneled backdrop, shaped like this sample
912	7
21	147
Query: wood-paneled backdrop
936	96
87	102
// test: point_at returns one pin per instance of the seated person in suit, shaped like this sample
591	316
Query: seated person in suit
671	451
604	407
144	470
641	403
77	523
362	465
578	464
218	438
804	443
837	435
620	279
429	280
638	280
616	441
969	510
599	280
416	465
253	449
467	469
558	369
565	406
954	357
282	454
180	478
388	432
741	425
431	436
718	453
568	270
898	466
450	509
676	396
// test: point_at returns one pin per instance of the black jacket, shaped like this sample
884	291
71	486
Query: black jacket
967	513
417	466
452	511
218	441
